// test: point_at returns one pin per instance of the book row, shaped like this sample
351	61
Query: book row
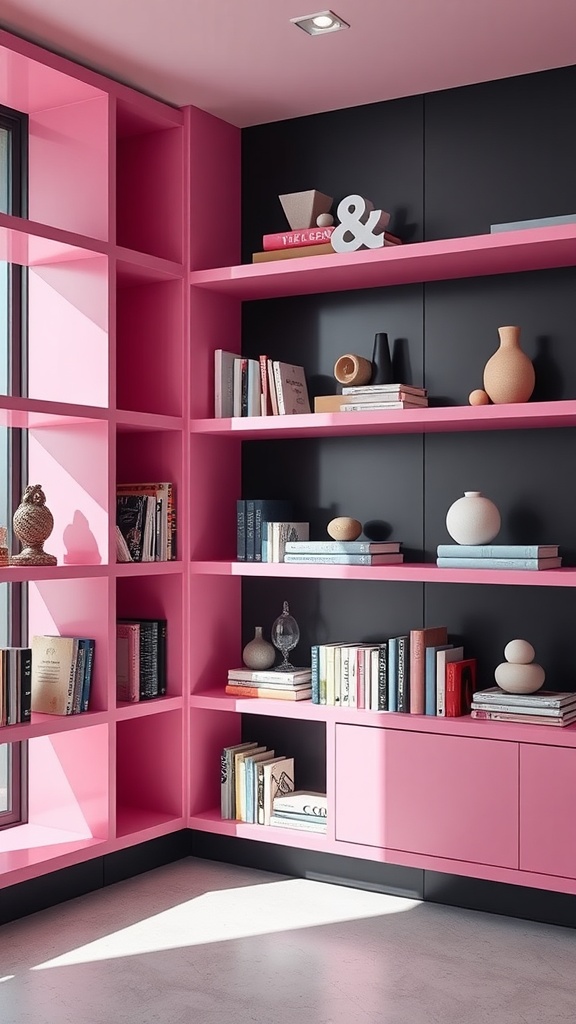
145	522
61	674
545	707
15	685
498	556
257	387
270	684
141	663
419	672
257	787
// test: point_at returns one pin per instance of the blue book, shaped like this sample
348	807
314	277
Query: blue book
497	551
88	665
294	816
430	677
315	668
342	547
393	674
499	563
327	559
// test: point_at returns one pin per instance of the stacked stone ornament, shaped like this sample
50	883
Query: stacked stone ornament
518	674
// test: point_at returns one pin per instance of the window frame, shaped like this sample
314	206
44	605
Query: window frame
16	123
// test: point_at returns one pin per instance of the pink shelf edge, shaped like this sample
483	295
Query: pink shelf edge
140	709
215	700
474	255
210	821
135	420
446	418
148	568
408	572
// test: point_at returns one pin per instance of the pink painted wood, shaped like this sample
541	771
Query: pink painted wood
547	808
442	796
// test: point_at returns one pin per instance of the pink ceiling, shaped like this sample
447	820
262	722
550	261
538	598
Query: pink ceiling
245	62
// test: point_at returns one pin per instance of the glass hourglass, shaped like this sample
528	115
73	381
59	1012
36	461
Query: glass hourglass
285	636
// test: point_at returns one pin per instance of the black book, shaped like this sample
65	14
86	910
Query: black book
403	673
24	657
148	682
130	519
241	530
383	677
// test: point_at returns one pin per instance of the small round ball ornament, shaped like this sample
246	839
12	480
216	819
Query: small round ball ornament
479	397
324	220
344	528
517	674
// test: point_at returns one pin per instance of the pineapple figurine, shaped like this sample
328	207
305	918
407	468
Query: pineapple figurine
33	523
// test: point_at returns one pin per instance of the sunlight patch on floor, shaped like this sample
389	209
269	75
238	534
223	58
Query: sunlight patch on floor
229	914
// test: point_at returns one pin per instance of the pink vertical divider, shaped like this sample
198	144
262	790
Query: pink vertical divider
215	637
71	462
210	731
68	172
111	170
68	332
78	607
215	190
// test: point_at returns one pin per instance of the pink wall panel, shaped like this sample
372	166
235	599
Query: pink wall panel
548	810
71	463
445	796
215	181
68	172
68	332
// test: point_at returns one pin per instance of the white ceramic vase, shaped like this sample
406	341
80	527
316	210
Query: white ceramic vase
473	519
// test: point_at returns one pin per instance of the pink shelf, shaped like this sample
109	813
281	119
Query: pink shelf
128	420
29	413
29	573
142	708
141	824
216	700
48	725
410	572
147	568
133	267
473	256
31	244
211	821
401	421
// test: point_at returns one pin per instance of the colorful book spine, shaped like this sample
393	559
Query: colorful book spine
497	551
88	669
250	531
291	239
499	563
403	674
500	716
393	674
315	667
542	699
460	685
241	530
430	678
269	694
341	547
420	639
527	710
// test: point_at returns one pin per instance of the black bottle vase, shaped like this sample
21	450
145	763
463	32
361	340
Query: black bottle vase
381	361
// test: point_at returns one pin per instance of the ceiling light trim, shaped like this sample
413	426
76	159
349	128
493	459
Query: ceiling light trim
308	22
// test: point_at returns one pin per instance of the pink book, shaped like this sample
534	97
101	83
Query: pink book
291	239
128	661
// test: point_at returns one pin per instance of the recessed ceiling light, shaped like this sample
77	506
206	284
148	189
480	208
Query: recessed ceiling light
321	23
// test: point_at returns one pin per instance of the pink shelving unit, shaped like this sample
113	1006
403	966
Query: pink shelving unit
132	245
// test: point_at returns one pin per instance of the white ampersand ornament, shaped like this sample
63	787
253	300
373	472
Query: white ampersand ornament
361	226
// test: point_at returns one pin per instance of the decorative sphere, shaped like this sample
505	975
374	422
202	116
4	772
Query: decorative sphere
324	220
344	528
519	652
473	519
479	397
519	678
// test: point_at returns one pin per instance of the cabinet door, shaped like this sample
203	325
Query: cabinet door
444	796
548	810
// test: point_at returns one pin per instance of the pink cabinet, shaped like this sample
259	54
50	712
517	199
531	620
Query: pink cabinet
548	810
442	796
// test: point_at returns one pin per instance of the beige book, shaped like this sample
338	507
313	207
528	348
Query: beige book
324	249
53	674
330	403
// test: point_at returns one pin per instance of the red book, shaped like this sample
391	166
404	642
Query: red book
420	639
460	685
291	239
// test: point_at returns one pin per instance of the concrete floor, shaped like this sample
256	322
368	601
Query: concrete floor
205	943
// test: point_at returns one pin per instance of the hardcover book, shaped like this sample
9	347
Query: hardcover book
289	239
460	685
127	661
497	551
291	389
499	563
53	674
526	709
224	383
297	675
268	510
302	801
278	780
505	716
227	781
341	547
330	559
269	693
277	536
430	674
443	657
543	698
298	824
420	639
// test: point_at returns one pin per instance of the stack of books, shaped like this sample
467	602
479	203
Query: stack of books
145	523
15	685
257	387
301	810
315	241
547	707
271	684
344	552
498	556
382	397
251	777
61	674
140	659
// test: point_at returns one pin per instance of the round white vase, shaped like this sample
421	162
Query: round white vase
514	678
473	519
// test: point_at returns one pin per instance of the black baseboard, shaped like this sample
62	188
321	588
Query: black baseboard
66	884
452	890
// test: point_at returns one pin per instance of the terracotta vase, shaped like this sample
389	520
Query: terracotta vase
509	374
